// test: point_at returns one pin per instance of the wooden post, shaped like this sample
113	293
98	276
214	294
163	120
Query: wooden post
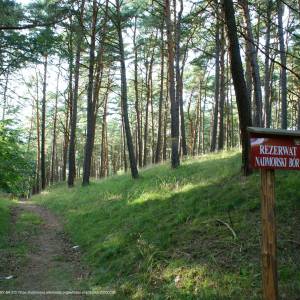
269	243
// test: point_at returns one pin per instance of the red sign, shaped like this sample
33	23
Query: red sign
279	152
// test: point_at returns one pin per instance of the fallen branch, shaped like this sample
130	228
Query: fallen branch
229	227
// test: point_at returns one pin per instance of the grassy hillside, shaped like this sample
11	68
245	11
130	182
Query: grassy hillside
162	236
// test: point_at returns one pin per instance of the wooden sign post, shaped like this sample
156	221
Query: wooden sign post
269	242
271	149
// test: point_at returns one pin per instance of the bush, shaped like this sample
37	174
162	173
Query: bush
16	164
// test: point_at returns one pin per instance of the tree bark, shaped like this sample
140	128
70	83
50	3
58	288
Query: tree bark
73	125
53	176
179	83
254	65
267	67
283	79
38	139
43	129
213	145
166	110
68	116
5	95
161	97
104	144
149	69
90	113
137	101
175	161
239	82
222	92
132	159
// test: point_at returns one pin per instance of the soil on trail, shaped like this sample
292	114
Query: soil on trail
51	263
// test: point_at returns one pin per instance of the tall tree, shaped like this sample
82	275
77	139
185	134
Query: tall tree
179	83
137	99
239	83
254	64
267	87
213	143
53	174
222	91
73	125
104	142
43	125
161	96
90	112
124	100
175	160
283	79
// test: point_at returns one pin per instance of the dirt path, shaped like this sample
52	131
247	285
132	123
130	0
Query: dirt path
51	262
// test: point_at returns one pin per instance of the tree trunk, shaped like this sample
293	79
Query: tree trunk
239	82
149	69
179	83
267	67
73	123
43	129
5	95
148	74
203	126
283	80
152	125
254	65
73	116
161	98
197	139
132	159
213	145
68	116
137	102
175	161
53	154
123	150
104	144
90	113
38	139
222	92
166	110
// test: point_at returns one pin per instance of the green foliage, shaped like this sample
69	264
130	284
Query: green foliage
157	237
20	47
16	166
46	41
4	222
14	45
10	12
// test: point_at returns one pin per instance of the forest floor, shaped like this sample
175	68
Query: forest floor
39	256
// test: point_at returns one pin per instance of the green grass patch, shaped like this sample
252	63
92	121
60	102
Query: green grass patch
4	222
158	237
16	228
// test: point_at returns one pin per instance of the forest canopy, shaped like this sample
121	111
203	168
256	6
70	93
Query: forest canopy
104	86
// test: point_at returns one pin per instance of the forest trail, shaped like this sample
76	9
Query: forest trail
51	263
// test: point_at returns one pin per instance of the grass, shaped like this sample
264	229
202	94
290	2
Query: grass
4	222
15	230
158	237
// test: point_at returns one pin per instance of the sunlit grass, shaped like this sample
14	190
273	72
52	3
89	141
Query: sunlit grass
157	237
